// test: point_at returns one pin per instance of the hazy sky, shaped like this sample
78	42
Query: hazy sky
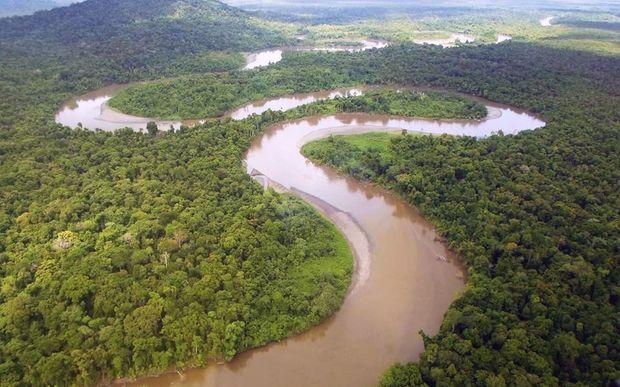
422	2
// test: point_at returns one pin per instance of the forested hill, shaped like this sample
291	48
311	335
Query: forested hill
135	33
68	50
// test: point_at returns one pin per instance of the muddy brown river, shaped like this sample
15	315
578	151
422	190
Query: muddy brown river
405	277
91	110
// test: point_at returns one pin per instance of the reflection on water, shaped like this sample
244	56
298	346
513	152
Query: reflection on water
262	58
364	45
504	119
546	22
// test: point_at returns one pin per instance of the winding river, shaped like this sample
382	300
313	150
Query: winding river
91	111
405	276
270	56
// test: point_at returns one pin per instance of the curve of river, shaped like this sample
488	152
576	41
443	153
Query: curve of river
405	277
91	111
274	55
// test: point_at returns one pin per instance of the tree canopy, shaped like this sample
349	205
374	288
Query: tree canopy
535	217
123	253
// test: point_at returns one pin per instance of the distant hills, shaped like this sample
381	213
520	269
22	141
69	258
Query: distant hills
26	7
134	34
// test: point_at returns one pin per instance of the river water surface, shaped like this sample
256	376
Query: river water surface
91	111
546	22
290	102
450	41
405	277
274	55
271	56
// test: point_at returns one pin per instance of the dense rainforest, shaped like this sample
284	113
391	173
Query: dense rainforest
133	253
47	57
126	253
534	215
223	94
123	254
428	104
542	272
131	32
542	300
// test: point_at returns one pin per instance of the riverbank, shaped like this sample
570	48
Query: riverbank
404	270
92	110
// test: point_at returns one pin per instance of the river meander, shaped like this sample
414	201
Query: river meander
405	277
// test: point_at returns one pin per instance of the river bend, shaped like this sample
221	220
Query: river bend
405	277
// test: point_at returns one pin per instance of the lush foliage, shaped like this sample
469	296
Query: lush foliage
354	147
58	53
134	33
208	96
586	29
539	303
536	218
167	236
520	246
126	253
123	253
430	104
18	7
490	71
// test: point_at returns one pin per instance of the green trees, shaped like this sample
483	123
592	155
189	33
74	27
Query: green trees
429	104
539	306
134	254
207	96
139	36
166	231
152	128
